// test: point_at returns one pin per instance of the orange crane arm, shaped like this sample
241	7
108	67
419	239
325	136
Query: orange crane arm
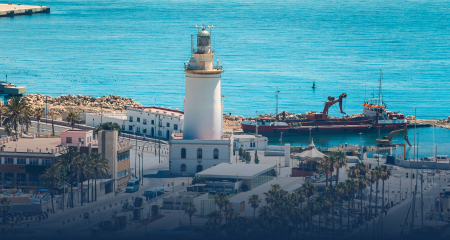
331	101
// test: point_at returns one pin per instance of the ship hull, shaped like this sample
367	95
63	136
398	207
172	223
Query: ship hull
274	131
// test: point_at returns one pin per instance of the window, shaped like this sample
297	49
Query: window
123	127
34	177
153	132
21	161
159	133
122	174
138	119
68	139
131	119
216	153
138	129
130	128
144	121
81	140
9	160
34	161
123	156
175	127
167	124
21	177
153	122
46	162
199	153
144	130
9	176
183	153
183	167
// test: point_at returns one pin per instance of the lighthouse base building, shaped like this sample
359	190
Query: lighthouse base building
190	156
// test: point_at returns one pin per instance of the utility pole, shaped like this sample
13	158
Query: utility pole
417	172
135	156
159	137
421	200
46	110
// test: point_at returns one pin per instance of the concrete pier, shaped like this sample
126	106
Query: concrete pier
11	10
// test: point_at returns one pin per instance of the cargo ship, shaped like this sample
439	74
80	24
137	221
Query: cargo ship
375	117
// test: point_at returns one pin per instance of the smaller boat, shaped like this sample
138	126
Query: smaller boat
314	85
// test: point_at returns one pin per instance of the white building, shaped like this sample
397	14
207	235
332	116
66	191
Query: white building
149	121
202	144
250	142
154	121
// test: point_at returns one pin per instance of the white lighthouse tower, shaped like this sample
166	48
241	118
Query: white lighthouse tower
202	143
203	106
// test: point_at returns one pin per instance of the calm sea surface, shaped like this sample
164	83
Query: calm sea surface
137	49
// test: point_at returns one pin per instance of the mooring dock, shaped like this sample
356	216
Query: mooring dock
11	10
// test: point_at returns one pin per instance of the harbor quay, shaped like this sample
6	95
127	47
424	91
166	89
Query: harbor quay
11	10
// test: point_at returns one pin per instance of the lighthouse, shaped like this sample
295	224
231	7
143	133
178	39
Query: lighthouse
203	105
202	144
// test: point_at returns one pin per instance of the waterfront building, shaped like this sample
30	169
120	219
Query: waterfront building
250	142
147	121
202	143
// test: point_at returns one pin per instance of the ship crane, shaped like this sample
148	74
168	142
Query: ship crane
386	142
324	114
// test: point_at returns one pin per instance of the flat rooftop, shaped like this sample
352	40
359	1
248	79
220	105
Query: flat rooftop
156	109
236	170
179	136
45	144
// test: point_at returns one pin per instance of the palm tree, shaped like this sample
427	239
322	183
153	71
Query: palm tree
333	164
4	208
324	167
371	178
38	114
341	161
52	180
362	184
385	173
219	200
66	161
333	197
72	117
376	173
2	110
52	115
254	202
81	171
342	190
17	113
300	196
190	209
228	211
352	188
310	189
100	167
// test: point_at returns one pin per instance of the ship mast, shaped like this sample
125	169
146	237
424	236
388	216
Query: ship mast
379	88
276	116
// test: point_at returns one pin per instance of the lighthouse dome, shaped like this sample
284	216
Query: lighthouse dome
204	33
203	38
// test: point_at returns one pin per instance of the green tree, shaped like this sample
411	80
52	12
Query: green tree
200	180
81	171
324	167
352	188
38	114
371	178
190	209
247	157
256	157
108	126
5	207
254	202
17	113
241	152
51	179
66	160
72	118
100	168
341	161
310	189
52	115
385	173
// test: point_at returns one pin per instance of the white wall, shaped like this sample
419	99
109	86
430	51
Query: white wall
191	161
94	120
250	143
166	117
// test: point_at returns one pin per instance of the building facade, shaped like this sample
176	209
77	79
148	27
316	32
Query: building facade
154	121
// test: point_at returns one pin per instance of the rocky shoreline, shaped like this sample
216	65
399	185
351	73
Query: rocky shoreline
80	103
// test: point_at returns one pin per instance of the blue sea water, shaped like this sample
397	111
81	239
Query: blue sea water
137	49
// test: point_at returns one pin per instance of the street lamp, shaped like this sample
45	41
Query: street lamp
135	156
360	144
142	156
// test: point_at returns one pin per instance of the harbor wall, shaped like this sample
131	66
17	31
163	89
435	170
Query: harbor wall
422	164
11	10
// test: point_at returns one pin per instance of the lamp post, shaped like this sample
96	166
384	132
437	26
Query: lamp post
136	150
360	144
142	156
310	134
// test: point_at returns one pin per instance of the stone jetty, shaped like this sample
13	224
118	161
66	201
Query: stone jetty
80	103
